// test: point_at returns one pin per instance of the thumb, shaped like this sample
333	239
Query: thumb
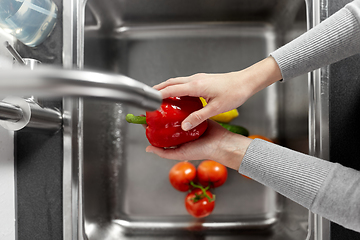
197	117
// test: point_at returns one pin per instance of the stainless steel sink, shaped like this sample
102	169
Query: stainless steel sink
126	192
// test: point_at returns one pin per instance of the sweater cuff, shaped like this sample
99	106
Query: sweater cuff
334	39
295	175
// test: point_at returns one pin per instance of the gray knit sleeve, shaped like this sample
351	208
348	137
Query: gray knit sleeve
325	188
332	40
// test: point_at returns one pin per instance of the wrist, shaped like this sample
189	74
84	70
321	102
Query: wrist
264	73
233	150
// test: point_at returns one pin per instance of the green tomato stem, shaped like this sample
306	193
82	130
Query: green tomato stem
203	190
135	119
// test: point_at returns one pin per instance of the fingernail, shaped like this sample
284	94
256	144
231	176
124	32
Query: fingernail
186	126
148	151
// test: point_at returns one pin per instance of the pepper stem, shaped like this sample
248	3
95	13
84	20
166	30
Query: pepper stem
135	119
203	190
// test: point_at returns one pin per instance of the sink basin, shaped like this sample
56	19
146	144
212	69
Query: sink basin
127	194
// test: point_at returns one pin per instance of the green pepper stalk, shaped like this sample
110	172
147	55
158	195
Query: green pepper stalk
131	118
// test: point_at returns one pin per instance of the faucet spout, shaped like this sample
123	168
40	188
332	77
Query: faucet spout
54	82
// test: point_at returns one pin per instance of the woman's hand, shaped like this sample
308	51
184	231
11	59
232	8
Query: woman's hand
223	92
216	143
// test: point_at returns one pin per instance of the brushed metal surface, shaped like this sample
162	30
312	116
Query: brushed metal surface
7	161
126	191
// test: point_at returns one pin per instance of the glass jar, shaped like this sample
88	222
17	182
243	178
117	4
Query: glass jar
30	21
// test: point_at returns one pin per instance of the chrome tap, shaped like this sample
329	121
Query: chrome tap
55	82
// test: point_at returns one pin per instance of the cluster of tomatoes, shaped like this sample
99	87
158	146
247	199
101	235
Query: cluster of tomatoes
185	177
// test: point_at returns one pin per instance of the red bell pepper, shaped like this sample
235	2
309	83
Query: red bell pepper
164	125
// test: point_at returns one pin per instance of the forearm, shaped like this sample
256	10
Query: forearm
284	170
325	188
332	40
338	197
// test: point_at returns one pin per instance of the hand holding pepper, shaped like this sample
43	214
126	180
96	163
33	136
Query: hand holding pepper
217	144
223	92
163	130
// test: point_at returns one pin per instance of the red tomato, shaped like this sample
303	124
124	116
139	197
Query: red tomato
199	205
181	174
211	172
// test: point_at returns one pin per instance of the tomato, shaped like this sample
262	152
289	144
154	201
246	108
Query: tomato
181	174
211	172
198	205
261	137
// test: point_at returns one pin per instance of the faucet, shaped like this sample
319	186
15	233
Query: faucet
17	113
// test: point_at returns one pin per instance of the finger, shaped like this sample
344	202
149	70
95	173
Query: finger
178	91
197	117
172	81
